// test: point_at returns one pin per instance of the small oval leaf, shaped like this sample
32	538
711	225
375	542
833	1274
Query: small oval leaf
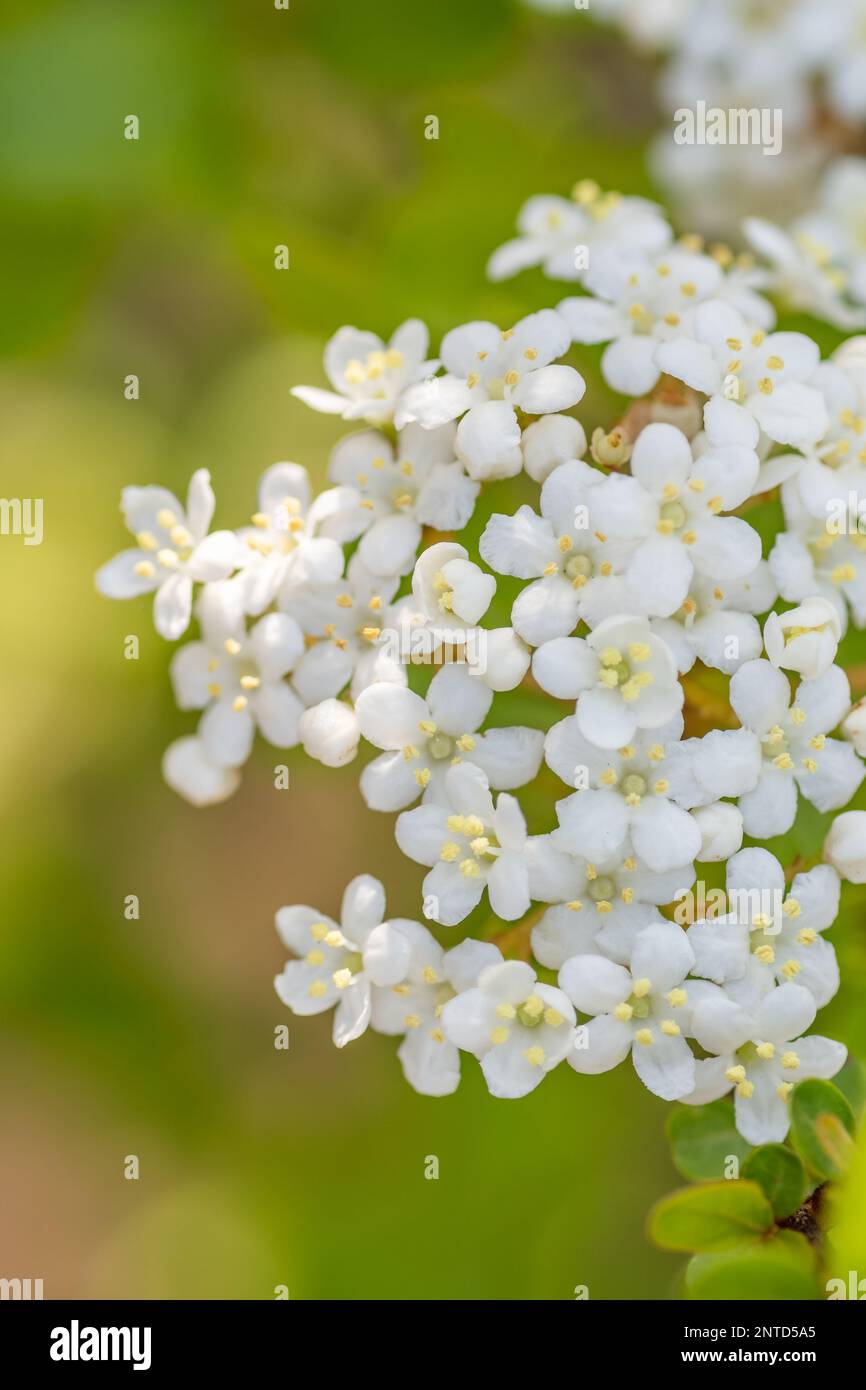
780	1175
782	1267
703	1139
710	1216
822	1122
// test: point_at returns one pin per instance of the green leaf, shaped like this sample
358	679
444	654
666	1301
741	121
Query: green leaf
783	1267
781	1176
711	1216
851	1081
822	1123
703	1138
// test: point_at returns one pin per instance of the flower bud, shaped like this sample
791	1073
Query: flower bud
804	639
721	827
550	441
329	732
612	449
845	846
507	658
854	727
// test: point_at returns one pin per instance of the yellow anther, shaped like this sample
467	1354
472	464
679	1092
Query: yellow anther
437	1035
784	762
530	354
144	569
449	851
676	998
626	752
603	906
758	338
553	1018
697	484
735	1074
623	1012
469	868
166	518
167	558
791	969
342	978
512	378
790	1061
535	1056
411	1021
457	824
775	364
766	955
370	633
630	863
334	938
215	690
766	1050
670	1029
610	656
810	765
641	988
505	1011
644	1037
689	289
639	651
480	845
807	936
575	905
422	776
608	777
735	344
784	1089
239	703
319	930
317	989
146	540
315	958
499	1036
627	895
661	786
745	1089
791	907
250	682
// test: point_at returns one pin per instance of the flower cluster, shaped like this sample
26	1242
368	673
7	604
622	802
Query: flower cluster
632	571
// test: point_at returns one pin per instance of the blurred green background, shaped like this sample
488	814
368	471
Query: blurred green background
259	1167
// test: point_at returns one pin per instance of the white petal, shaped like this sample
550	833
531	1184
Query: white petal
189	771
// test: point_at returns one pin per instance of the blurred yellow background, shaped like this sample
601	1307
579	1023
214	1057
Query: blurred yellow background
154	1037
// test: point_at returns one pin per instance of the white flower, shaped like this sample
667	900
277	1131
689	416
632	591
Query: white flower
576	573
189	771
801	274
489	375
469	845
769	932
449	589
845	846
714	623
644	1009
833	230
804	639
343	622
818	557
761	1055
292	540
339	965
518	1028
854	726
370	378
797	752
425	737
395	490
564	236
645	789
688	533
238	677
173	549
623	677
329	732
611	901
625	796
765	375
413	1008
639	301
